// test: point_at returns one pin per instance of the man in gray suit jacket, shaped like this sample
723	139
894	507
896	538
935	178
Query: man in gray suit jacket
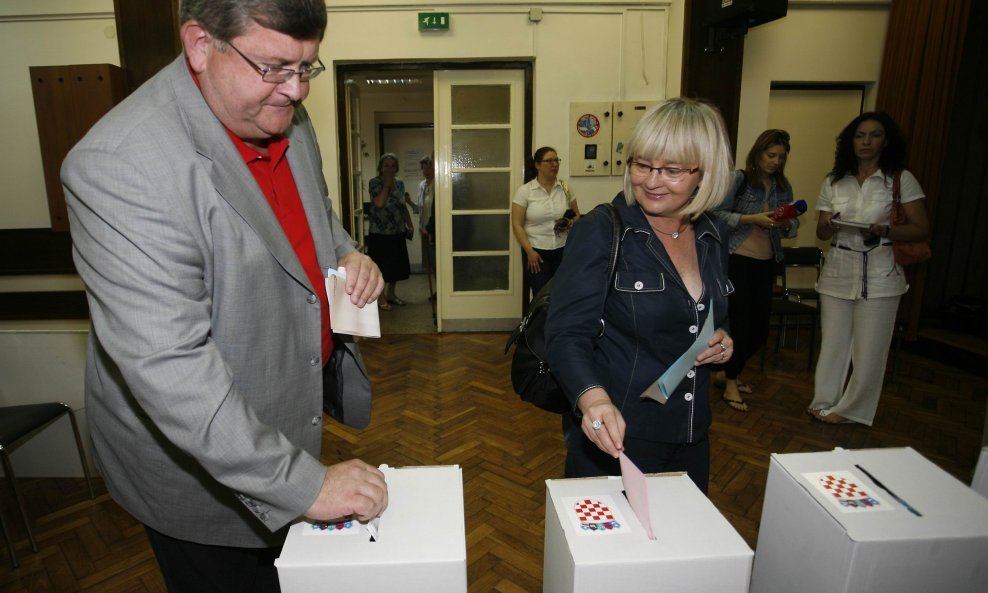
201	227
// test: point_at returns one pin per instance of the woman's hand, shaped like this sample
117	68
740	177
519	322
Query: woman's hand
534	261
602	422
876	231
764	220
825	227
721	348
388	177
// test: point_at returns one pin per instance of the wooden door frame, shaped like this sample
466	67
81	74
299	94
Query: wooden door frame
345	70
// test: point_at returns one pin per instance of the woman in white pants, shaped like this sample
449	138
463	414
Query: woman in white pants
860	284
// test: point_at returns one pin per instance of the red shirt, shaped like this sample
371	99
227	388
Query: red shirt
275	179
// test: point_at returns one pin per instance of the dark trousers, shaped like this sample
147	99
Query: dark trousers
551	258
584	459
189	567
749	308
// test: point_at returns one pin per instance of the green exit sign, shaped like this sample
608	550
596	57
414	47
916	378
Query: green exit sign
433	21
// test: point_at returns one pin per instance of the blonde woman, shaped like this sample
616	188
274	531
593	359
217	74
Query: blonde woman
608	344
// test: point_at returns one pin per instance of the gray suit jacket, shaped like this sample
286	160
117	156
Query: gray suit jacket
204	378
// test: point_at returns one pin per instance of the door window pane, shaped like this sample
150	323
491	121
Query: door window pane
481	232
481	148
482	191
480	104
480	273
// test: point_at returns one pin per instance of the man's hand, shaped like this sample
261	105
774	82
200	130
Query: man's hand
351	488
364	282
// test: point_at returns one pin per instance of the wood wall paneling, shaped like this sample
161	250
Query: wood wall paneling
147	34
712	64
68	100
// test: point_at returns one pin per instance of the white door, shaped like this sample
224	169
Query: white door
479	165
355	218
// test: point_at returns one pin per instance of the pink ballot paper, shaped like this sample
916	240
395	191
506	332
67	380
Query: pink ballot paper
345	317
636	489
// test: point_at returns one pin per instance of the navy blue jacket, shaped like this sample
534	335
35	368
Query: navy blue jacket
649	321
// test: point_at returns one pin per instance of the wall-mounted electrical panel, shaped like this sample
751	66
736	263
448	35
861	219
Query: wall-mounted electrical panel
590	139
627	114
599	133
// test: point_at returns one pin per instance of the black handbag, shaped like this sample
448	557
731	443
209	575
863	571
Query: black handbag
346	390
530	374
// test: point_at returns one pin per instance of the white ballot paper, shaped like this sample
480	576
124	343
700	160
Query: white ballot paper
850	224
345	317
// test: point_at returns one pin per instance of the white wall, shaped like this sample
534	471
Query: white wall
45	361
581	52
40	33
815	42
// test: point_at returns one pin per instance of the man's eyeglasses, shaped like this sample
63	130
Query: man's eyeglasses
641	170
551	161
277	75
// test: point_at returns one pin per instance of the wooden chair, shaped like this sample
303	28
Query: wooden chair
17	425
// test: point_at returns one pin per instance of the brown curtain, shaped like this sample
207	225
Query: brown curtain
919	71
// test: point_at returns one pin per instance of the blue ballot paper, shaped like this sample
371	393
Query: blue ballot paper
667	383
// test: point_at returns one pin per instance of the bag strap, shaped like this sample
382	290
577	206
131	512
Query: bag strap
615	243
618	225
897	188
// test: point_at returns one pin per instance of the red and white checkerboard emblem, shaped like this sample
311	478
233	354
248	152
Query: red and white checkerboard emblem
841	487
594	515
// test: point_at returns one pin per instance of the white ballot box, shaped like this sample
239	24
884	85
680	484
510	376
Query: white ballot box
594	542
420	545
870	521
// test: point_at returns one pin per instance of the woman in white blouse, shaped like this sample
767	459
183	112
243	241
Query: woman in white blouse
860	284
541	214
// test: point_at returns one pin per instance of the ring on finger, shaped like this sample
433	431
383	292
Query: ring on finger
596	424
723	347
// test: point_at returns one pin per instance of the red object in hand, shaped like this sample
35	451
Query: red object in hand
787	211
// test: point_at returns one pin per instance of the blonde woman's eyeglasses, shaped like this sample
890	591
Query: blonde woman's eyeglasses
642	171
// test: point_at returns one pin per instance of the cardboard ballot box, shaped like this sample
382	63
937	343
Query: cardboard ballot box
594	542
828	527
420	545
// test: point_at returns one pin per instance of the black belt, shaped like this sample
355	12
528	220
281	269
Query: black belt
864	264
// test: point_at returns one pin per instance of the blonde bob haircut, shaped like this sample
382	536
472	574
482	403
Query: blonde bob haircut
689	133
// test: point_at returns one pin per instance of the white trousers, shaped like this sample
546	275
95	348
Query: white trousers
857	332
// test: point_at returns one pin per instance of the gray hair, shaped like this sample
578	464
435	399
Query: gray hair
685	131
385	156
227	19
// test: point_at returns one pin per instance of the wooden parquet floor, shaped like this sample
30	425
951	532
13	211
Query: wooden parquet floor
446	399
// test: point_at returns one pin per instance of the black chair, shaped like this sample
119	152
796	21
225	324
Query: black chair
17	425
791	307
